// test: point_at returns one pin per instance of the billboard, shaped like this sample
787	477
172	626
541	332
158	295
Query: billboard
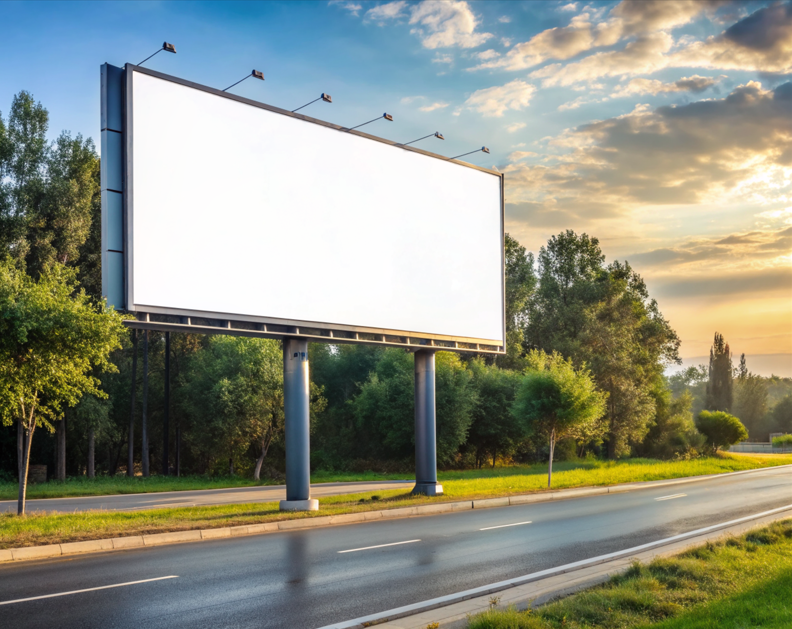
236	211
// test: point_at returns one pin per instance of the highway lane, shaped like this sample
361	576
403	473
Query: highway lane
198	497
305	579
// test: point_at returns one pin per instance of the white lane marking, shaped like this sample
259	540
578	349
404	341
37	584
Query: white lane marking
671	497
101	587
503	526
414	608
354	550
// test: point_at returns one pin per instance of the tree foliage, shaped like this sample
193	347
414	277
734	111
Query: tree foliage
720	393
721	429
52	342
557	401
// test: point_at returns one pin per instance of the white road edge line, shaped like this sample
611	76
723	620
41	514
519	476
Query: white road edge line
354	550
503	526
671	497
441	601
101	587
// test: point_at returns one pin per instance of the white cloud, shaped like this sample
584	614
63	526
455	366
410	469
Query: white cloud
643	56
353	7
434	106
446	23
572	6
516	156
504	19
515	126
388	11
495	101
506	41
443	58
639	86
409	100
487	54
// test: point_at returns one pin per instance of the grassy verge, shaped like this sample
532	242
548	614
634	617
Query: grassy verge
109	485
501	480
43	528
738	583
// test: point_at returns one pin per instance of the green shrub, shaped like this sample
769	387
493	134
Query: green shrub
784	441
721	429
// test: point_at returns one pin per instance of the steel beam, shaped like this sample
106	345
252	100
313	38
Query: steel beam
425	425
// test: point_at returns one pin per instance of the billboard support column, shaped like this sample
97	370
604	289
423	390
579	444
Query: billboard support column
296	403
425	425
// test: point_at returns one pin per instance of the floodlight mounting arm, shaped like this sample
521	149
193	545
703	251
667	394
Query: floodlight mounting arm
436	134
325	97
385	116
255	73
165	46
483	149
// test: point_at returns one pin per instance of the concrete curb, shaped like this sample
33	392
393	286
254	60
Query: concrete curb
157	539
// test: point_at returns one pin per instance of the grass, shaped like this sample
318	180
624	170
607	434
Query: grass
43	528
733	584
498	481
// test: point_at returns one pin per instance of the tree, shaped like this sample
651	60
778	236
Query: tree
720	386
782	415
520	284
48	191
673	432
384	409
51	338
721	429
91	417
750	401
494	429
557	401
603	317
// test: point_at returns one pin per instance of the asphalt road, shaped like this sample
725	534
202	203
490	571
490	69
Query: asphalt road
200	497
312	578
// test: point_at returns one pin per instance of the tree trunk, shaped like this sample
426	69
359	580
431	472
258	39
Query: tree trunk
550	463
178	450
61	459
230	466
166	417
144	453
131	437
25	465
91	453
20	448
494	456
260	460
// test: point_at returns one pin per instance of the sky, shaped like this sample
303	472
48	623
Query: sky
662	128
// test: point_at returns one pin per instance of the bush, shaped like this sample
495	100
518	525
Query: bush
721	429
784	441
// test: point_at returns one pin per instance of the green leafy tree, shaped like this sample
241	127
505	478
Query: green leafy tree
557	401
720	387
603	316
520	284
49	192
91	417
494	429
384	408
750	402
721	429
51	341
673	432
782	415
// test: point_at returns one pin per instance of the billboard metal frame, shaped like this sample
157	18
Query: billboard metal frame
117	111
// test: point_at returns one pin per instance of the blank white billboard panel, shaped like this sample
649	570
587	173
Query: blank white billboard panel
240	210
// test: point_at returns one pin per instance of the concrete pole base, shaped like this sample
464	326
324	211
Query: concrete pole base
428	489
299	505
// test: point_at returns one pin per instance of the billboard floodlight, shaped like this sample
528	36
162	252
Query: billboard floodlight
324	97
165	46
483	149
436	134
385	116
254	73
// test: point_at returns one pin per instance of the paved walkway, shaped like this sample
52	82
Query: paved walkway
200	497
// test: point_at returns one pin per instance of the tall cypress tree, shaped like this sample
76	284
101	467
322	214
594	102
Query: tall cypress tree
720	395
